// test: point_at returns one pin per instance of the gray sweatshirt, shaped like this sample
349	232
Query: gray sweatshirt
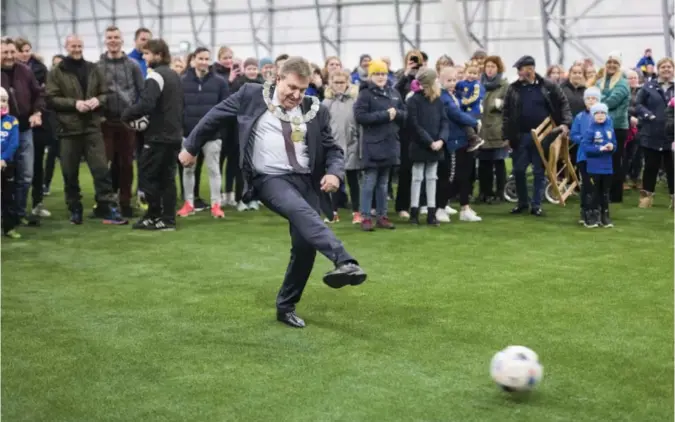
125	83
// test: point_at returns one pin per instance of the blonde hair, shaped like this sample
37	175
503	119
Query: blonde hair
658	64
339	73
447	71
222	50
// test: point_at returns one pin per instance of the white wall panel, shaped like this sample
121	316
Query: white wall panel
514	27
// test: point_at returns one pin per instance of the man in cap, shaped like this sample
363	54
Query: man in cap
528	102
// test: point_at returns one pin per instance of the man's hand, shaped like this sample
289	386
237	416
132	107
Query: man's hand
3	164
565	129
82	106
35	119
437	145
330	183
186	159
92	103
392	113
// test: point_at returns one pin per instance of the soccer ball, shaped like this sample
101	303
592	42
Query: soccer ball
140	125
516	368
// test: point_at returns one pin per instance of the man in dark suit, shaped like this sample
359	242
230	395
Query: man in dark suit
288	156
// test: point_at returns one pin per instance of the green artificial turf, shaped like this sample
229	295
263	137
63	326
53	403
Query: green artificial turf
104	324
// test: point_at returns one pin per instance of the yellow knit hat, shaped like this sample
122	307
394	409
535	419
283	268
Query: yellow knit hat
377	66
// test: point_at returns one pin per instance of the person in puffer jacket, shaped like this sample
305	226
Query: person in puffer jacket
202	90
381	111
340	97
124	80
599	143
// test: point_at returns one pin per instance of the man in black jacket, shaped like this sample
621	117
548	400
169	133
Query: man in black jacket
288	157
528	102
161	103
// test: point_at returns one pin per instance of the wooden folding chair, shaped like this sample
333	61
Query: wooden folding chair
563	181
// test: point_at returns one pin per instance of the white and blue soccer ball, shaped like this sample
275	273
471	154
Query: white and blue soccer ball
516	369
140	125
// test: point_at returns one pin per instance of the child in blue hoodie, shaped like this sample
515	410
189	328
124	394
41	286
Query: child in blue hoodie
581	123
599	143
9	142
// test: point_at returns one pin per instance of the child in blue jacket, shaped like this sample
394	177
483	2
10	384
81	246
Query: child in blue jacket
599	143
579	127
9	142
470	93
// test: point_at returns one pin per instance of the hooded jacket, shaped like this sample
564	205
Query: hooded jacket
343	124
124	80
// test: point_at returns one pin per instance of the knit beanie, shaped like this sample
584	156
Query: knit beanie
377	66
250	62
593	92
3	94
616	55
427	77
599	108
265	61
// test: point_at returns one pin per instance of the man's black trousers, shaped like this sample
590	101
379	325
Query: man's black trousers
157	178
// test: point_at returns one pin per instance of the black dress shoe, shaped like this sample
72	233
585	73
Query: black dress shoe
537	212
290	319
520	209
345	274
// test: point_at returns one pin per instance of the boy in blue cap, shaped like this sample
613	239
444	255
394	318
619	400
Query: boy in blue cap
599	143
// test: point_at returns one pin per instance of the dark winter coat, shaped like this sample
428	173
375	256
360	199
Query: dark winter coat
428	123
651	105
125	83
242	79
380	134
65	88
25	94
556	102
200	96
575	96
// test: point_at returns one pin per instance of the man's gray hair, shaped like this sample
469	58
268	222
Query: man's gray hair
298	66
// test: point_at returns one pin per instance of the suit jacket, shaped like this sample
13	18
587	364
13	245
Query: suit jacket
245	107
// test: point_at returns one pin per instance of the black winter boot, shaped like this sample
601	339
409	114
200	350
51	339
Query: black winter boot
591	218
415	216
605	221
431	218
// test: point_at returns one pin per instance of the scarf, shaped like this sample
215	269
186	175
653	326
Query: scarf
491	84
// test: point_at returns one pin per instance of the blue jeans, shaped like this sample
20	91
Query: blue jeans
377	180
523	156
25	155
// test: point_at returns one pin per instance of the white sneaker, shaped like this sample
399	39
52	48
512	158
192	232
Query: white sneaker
41	211
253	206
450	210
404	215
424	210
469	215
242	207
442	216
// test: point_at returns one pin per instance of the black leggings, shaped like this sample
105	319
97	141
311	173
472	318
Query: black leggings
653	161
616	190
352	177
586	186
601	186
443	182
461	168
487	170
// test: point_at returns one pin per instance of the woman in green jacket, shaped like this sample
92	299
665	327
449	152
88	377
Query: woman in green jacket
494	151
616	95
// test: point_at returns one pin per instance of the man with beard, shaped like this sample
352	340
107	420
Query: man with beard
76	91
161	102
26	104
528	102
288	156
125	82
